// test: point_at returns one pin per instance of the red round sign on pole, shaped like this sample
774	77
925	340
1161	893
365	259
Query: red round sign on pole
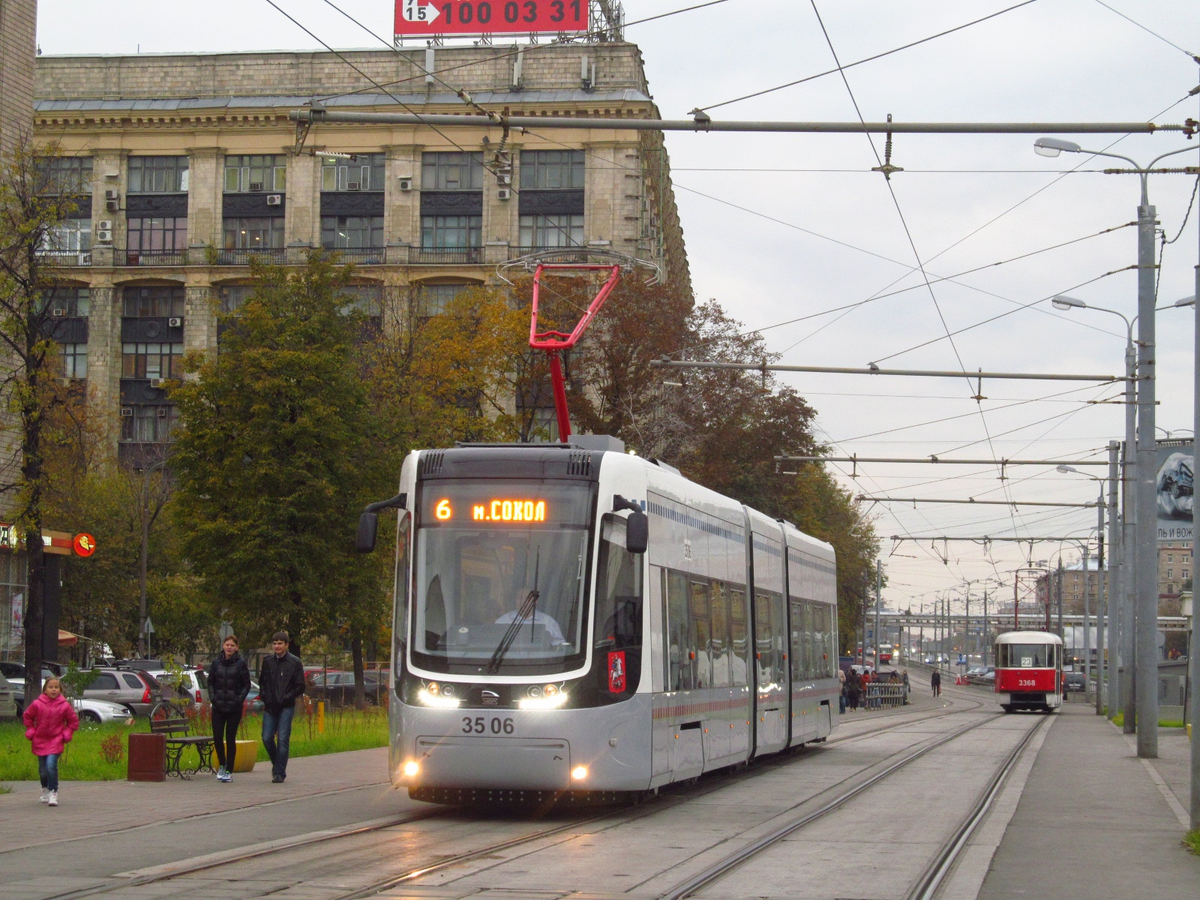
83	545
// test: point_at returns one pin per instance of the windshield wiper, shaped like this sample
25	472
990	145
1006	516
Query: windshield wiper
525	612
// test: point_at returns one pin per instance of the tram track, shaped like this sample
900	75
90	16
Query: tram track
611	819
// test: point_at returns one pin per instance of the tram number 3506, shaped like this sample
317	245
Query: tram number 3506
484	725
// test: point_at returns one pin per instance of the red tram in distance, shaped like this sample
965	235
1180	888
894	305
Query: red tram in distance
1029	671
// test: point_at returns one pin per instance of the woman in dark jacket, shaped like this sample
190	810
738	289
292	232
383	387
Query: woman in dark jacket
228	687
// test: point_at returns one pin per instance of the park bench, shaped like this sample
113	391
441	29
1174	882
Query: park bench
178	733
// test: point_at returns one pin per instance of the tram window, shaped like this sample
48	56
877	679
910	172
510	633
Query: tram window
618	590
679	673
1028	656
739	657
797	652
400	610
700	637
719	645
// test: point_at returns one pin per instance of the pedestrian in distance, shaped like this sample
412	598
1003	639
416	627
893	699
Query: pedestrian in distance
853	689
228	687
907	687
281	683
50	723
842	694
935	682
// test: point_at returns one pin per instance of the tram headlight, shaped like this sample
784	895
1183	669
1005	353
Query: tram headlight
579	773
548	696
411	769
440	695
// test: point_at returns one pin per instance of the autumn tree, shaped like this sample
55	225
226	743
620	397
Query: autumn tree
33	201
277	456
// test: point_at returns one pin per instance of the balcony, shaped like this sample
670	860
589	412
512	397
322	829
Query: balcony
153	258
276	256
564	255
66	258
360	256
444	256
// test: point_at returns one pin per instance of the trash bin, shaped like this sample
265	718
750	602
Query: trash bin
247	756
147	757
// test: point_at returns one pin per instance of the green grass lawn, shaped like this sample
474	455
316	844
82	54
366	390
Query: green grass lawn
99	753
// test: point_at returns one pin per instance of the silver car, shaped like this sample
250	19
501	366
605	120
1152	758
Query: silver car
8	699
131	688
101	712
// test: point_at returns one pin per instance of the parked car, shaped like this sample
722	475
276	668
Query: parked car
190	685
132	688
15	673
98	712
1074	683
8	699
253	702
337	688
981	675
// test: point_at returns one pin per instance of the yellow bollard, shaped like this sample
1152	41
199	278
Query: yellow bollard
321	717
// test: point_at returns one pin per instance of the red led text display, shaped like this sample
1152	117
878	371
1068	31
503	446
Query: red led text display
425	17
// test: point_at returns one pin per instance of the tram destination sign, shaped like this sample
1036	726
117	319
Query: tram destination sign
430	17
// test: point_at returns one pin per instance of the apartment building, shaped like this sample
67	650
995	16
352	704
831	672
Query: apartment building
184	166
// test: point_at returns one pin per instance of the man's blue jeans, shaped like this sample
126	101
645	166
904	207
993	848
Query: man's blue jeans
277	738
48	771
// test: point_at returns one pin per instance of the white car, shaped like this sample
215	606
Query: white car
101	712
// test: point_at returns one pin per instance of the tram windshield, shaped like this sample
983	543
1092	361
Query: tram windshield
1026	656
500	571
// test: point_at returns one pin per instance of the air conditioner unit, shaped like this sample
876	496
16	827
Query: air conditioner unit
104	224
112	205
58	313
504	179
405	183
256	185
175	322
104	236
112	194
352	185
161	412
156	382
504	193
126	411
274	199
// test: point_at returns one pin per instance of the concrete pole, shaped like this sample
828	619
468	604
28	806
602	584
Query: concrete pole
1146	545
1087	644
1058	599
1116	565
878	600
1104	689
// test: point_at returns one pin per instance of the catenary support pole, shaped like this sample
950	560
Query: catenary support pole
1113	582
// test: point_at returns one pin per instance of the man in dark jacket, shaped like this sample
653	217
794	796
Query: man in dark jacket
280	682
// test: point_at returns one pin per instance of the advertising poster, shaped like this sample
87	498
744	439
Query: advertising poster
1176	463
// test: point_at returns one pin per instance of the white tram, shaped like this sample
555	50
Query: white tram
1029	671
573	621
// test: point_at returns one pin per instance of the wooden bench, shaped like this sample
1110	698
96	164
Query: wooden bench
179	736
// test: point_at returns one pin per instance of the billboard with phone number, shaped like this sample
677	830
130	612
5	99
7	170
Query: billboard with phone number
429	17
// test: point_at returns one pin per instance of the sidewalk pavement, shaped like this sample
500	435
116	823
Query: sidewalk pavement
88	807
1096	821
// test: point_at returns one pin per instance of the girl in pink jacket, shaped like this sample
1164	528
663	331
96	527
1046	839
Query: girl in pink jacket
50	723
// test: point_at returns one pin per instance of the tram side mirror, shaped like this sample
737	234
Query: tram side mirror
368	522
368	527
637	532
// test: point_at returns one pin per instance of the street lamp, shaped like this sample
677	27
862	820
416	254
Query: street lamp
1122	557
1145	565
1100	610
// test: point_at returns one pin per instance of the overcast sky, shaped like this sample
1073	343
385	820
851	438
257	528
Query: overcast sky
794	234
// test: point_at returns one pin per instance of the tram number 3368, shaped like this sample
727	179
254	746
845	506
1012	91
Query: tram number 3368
484	725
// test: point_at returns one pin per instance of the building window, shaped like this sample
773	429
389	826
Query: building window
1170	573
157	360
254	233
255	173
69	301
148	424
158	174
73	360
366	299
152	302
234	295
451	232
434	299
1170	557
65	175
545	232
68	240
552	170
158	234
363	173
452	171
351	232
